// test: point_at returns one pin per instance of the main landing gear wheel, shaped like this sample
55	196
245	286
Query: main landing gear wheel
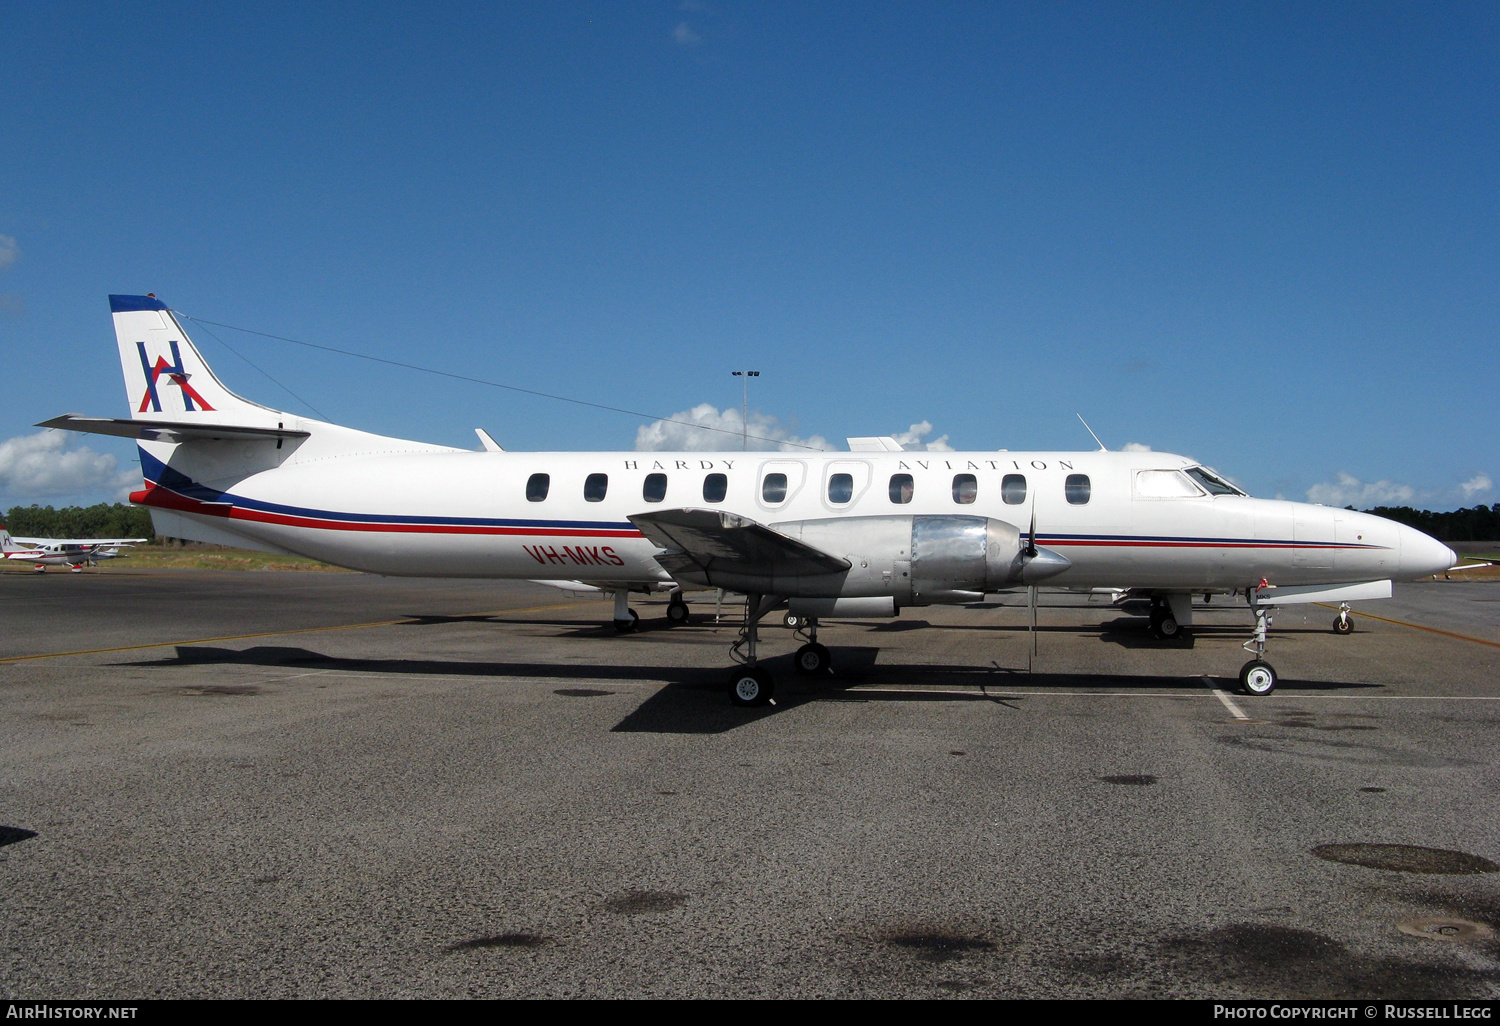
677	612
812	660
1257	677
1166	627
750	686
626	626
1343	625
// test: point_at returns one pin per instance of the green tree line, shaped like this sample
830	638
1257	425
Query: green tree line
103	520
1480	523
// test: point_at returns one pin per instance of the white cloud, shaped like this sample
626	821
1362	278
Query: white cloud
705	428
1136	447
40	466
912	437
1476	484
1349	490
685	36
9	251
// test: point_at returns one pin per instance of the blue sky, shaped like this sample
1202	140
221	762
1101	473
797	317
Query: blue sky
1262	235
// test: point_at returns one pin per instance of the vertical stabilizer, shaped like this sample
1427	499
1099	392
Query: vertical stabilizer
166	377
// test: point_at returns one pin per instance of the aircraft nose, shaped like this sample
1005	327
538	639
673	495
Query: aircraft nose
1423	555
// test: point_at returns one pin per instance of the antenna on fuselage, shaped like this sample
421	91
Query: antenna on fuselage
1102	446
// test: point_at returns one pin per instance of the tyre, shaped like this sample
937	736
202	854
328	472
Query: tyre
812	660
1342	626
677	613
793	621
1257	677
626	626
750	686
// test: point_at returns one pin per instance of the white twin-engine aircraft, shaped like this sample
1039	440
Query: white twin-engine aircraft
851	534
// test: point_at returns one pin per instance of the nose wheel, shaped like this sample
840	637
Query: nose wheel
1258	677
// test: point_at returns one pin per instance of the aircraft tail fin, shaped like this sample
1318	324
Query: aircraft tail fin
165	375
7	544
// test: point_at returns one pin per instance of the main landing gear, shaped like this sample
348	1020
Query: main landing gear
625	617
1258	677
677	610
749	684
812	659
1172	617
1341	623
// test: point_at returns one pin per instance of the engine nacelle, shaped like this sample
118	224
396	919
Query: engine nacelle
920	559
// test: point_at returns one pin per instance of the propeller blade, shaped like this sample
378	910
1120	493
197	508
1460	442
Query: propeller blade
1031	536
1030	627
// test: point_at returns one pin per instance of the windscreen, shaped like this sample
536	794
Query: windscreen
1215	484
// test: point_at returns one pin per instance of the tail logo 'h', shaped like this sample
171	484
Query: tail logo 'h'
175	372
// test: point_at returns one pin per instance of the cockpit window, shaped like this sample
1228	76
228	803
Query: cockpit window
1165	484
1215	484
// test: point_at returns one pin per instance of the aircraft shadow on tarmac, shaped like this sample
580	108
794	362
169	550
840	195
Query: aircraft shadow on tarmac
693	700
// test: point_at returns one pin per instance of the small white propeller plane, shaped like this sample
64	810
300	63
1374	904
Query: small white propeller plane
864	533
74	553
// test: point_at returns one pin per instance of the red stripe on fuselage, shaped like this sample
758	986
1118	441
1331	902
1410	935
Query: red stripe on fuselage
165	498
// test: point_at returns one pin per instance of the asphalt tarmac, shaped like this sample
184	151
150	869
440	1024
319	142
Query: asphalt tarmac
333	785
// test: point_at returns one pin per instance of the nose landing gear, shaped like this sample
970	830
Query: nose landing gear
1258	677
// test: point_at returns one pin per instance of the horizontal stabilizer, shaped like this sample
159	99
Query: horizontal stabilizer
167	430
713	542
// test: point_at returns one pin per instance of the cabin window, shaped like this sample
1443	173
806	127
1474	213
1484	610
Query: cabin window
773	488
840	488
536	487
594	487
1013	489
965	488
901	489
715	486
1077	488
655	488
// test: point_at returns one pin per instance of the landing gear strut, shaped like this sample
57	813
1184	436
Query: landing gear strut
812	658
1258	677
749	684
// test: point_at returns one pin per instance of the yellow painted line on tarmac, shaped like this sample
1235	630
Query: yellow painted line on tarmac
1418	627
274	634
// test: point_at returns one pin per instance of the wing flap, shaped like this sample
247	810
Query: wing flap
711	542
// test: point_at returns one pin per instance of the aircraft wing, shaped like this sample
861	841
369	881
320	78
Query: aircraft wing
166	430
711	542
81	541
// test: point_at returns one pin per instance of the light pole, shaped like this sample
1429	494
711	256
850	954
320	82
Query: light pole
745	405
